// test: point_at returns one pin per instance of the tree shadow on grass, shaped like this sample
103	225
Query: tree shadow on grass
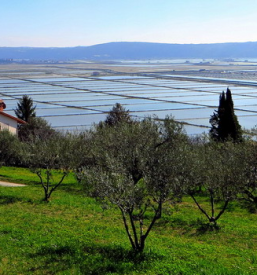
207	227
250	206
191	227
75	189
92	260
203	227
179	223
7	199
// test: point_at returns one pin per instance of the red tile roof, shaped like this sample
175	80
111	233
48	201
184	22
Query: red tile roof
20	121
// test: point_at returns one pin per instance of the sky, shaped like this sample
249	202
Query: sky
70	23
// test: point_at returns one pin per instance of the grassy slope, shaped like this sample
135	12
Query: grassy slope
73	235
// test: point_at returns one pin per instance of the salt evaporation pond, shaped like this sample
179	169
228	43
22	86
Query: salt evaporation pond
75	103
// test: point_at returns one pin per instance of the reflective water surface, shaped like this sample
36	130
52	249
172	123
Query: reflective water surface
77	102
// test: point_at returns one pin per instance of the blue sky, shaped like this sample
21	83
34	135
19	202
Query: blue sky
68	23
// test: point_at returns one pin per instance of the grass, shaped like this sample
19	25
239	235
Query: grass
73	235
26	176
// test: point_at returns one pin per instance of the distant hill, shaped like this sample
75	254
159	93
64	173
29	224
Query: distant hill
134	50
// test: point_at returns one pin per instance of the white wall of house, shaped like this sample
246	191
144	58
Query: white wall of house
8	124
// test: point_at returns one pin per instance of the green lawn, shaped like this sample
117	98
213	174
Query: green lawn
73	235
24	175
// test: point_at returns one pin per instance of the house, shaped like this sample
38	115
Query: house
7	121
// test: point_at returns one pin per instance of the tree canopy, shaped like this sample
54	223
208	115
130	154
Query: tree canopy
224	122
36	128
117	115
137	167
25	109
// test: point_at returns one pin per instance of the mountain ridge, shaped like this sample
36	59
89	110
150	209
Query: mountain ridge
134	50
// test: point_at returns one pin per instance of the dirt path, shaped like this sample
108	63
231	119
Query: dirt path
10	184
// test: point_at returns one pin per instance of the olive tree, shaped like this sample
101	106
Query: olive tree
51	159
137	168
249	187
36	128
11	149
217	171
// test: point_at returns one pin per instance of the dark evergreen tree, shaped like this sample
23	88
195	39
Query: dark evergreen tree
224	122
117	115
25	109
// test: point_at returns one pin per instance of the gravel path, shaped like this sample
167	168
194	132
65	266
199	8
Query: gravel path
10	184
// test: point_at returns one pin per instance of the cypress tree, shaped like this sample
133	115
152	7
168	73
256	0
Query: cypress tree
25	109
224	122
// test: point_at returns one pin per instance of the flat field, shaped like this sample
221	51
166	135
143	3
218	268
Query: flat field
73	96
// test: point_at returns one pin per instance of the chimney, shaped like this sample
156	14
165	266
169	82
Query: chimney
2	105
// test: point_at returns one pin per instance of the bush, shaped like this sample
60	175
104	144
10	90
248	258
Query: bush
12	151
36	128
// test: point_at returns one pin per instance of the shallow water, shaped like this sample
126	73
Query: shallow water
76	103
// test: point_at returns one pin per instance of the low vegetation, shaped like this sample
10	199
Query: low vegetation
128	201
74	235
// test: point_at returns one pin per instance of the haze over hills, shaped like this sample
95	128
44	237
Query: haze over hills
134	50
